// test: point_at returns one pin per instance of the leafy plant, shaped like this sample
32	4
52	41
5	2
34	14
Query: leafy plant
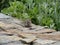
41	12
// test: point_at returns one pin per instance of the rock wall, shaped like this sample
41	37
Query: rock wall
13	33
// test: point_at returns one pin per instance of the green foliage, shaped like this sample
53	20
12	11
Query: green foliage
17	9
4	3
41	12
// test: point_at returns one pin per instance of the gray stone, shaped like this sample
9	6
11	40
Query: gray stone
57	43
15	43
4	16
43	42
7	39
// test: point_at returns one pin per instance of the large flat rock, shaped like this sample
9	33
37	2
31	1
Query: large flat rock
43	42
13	33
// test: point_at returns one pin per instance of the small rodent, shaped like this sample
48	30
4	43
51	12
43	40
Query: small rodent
27	23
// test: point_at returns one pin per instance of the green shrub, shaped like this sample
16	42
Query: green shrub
4	3
41	12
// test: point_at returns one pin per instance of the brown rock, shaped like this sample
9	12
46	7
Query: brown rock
53	36
21	34
5	26
28	40
27	37
40	31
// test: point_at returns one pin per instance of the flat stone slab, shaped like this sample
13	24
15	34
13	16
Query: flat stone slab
52	36
7	39
28	40
6	26
43	42
4	16
39	31
26	30
57	43
15	43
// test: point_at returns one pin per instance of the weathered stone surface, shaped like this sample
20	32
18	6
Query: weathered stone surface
28	40
2	33
7	26
4	16
57	43
52	36
11	30
39	31
43	42
27	37
15	43
20	33
55	33
36	27
7	39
